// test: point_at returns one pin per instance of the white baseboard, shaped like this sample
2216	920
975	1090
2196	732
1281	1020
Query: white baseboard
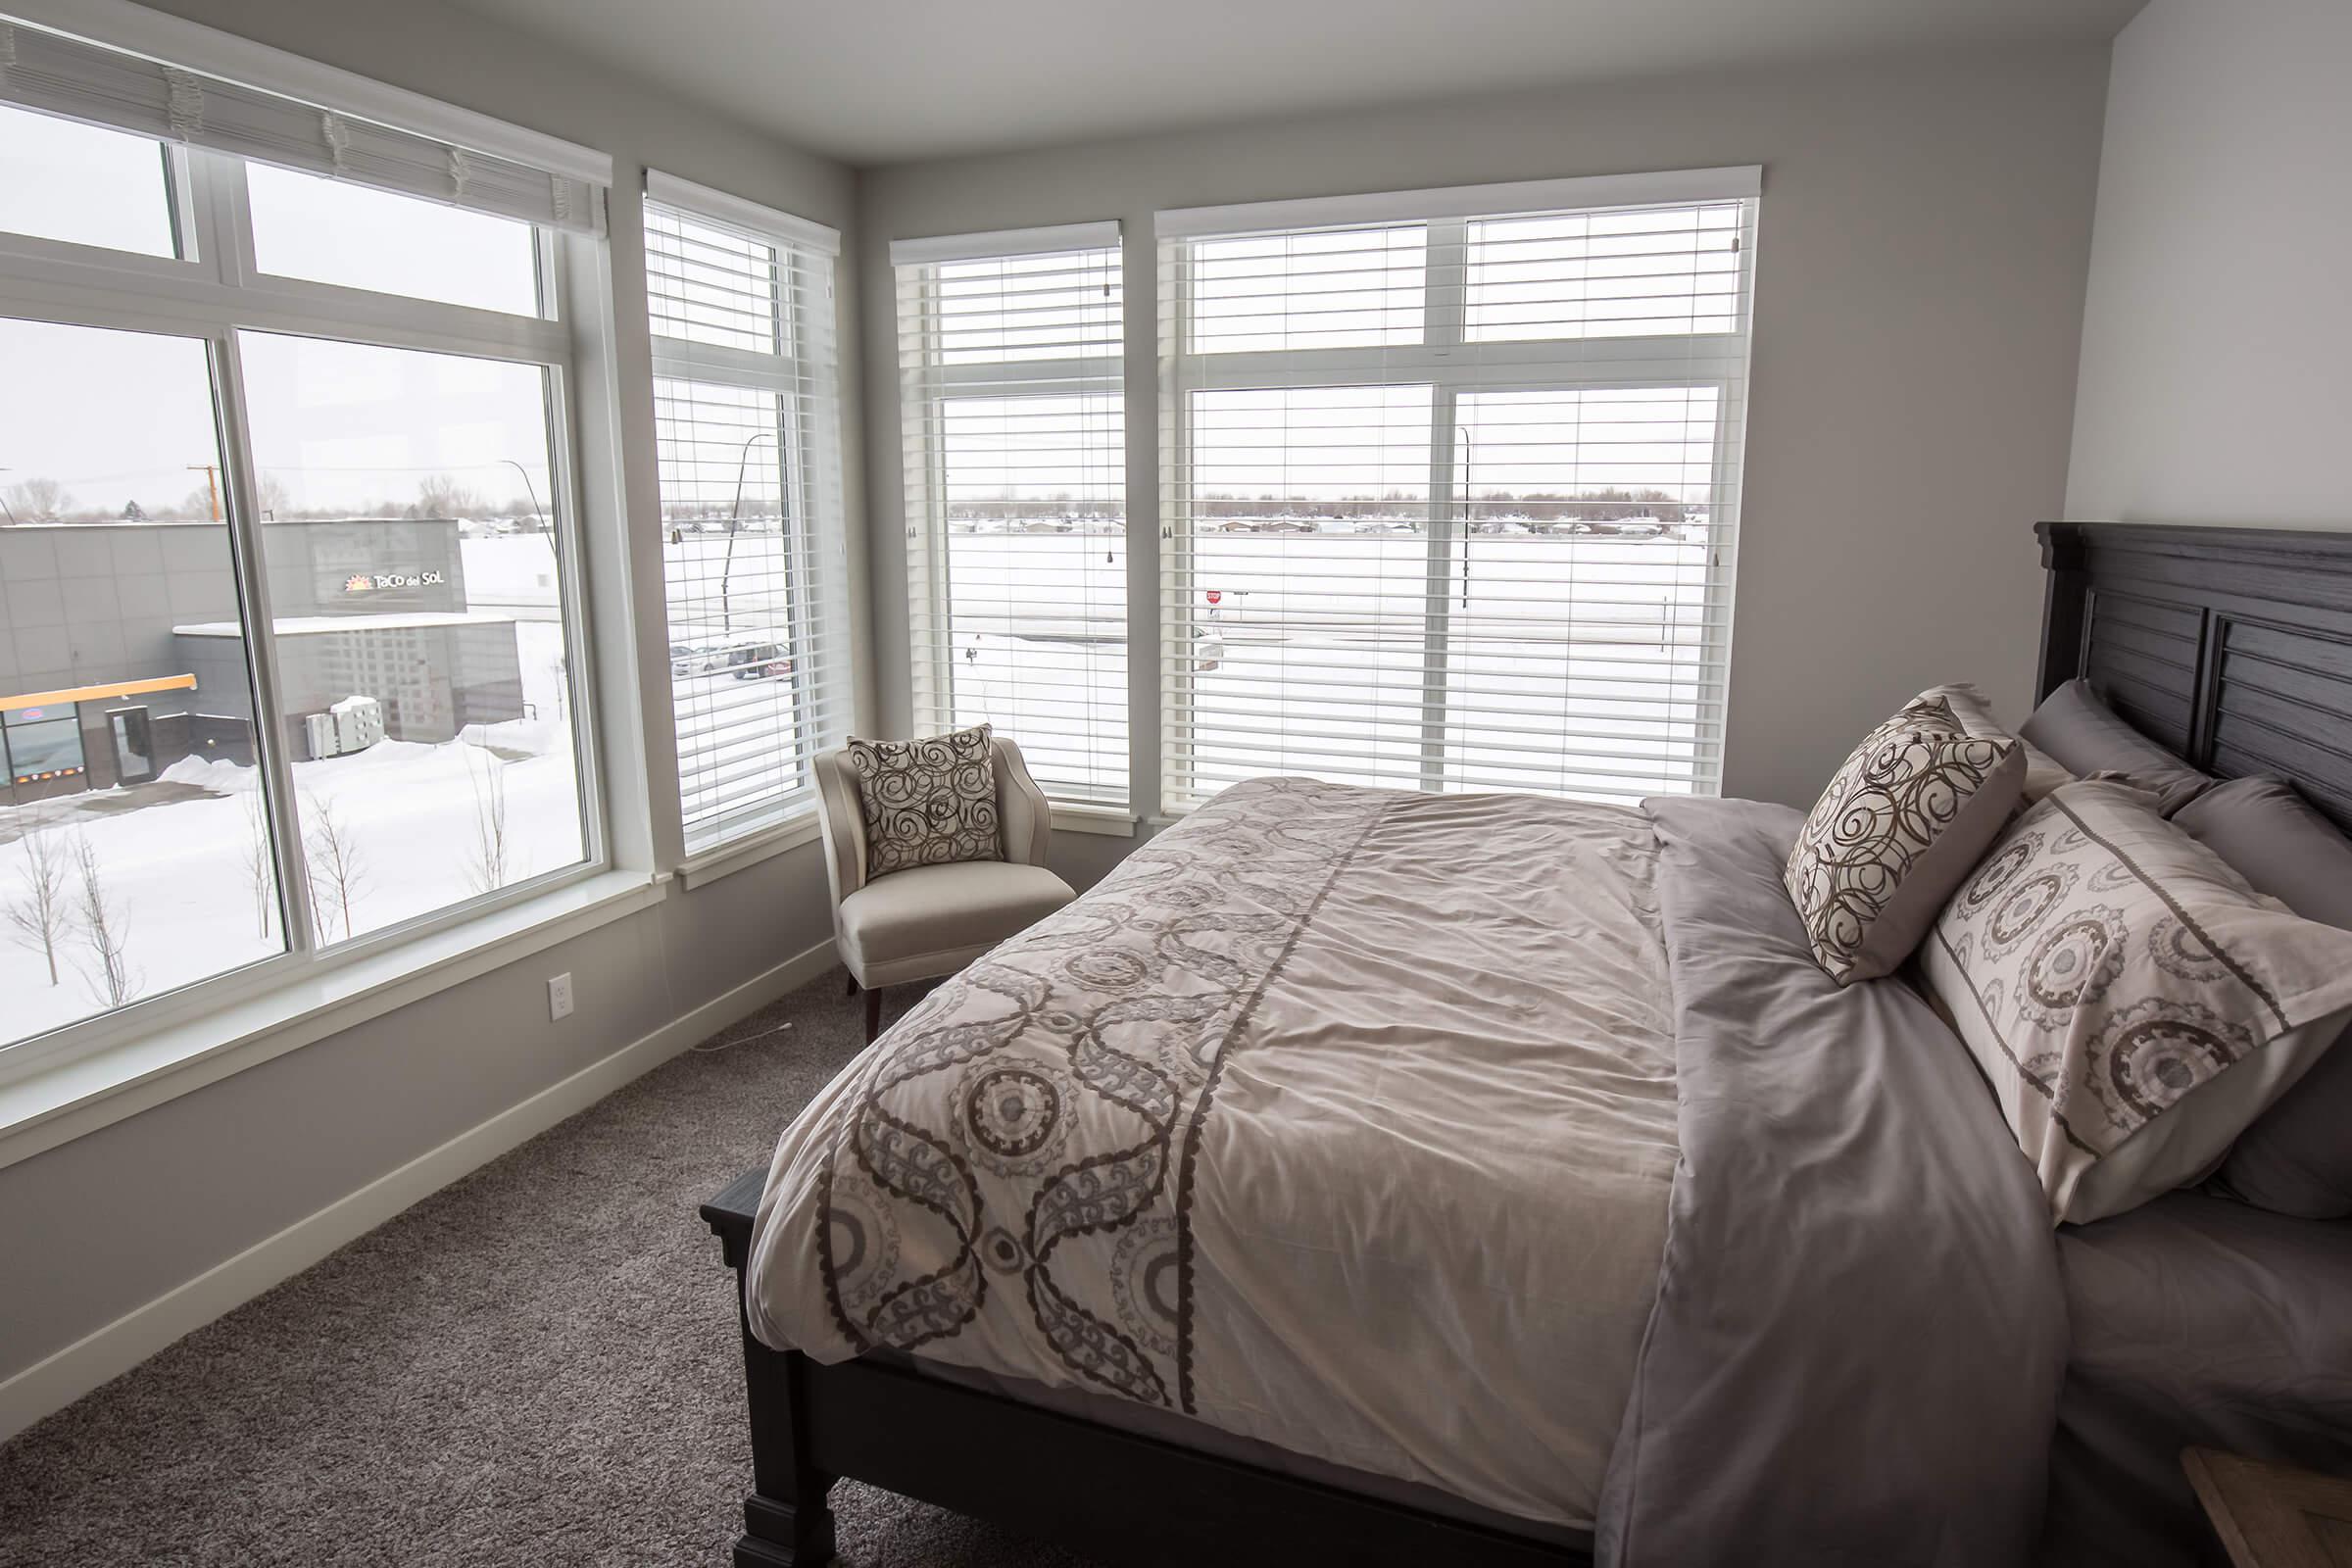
98	1358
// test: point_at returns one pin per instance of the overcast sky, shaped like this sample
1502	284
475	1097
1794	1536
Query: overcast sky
120	417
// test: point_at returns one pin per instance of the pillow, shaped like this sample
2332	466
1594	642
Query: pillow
929	801
2133	1002
2085	736
2298	1157
1901	823
2044	773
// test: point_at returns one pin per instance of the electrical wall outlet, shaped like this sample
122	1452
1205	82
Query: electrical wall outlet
559	996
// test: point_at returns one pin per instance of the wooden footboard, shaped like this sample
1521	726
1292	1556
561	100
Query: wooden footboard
1093	1489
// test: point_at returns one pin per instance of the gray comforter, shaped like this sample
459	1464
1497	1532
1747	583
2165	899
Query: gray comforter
1858	1337
1512	1147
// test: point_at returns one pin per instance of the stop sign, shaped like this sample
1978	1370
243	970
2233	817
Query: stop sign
1214	596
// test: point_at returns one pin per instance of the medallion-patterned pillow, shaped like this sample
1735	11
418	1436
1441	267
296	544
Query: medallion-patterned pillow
2131	1001
1901	823
929	801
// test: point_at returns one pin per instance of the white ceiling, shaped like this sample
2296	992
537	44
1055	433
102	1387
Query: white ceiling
882	81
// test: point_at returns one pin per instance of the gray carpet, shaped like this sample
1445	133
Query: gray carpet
538	1364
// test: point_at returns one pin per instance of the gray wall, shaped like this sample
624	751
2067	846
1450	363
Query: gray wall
1919	264
109	1222
2214	381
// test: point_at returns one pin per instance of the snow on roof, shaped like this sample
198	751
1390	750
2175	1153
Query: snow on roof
310	626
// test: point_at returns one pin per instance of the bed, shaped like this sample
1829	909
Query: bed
1386	1178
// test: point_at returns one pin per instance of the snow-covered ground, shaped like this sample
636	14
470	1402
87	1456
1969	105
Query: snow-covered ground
177	872
1317	643
1317	637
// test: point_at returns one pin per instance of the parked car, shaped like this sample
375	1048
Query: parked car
762	660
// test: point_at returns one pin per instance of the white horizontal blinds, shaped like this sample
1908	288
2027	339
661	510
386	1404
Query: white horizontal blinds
1450	503
745	406
1011	365
57	74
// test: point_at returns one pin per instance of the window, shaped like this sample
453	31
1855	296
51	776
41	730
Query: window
85	184
746	409
1449	486
1012	408
309	227
283	654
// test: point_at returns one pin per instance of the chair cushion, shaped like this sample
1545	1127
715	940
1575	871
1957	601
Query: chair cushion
933	919
928	801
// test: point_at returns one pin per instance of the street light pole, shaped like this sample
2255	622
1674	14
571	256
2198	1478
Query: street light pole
726	570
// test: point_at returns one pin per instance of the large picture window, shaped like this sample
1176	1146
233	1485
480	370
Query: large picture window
288	557
1013	406
1451	486
746	409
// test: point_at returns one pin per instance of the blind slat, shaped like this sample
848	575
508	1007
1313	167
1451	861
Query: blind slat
77	80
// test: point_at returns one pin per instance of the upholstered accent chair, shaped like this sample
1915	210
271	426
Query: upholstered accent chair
931	920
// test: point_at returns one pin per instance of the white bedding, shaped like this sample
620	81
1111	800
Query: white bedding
1338	1119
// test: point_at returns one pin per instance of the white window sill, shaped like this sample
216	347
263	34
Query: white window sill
1115	820
56	1104
697	870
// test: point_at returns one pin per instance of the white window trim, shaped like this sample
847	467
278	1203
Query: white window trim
1464	201
1532	364
680	359
1004	378
768	223
740	854
301	994
76	1096
1103	236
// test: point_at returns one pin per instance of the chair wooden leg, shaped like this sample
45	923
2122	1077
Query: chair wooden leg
850	988
873	1014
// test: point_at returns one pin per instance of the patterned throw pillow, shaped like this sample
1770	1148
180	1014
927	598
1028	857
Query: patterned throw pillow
2131	1001
1901	823
929	801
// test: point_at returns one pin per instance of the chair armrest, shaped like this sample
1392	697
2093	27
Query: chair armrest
1024	820
842	822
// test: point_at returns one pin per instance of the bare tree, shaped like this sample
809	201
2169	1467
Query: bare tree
104	930
260	865
438	495
38	917
38	500
488	865
339	872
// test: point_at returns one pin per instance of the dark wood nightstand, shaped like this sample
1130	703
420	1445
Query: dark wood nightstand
2273	1515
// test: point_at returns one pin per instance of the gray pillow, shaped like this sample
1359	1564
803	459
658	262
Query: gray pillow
928	801
2296	1158
2078	728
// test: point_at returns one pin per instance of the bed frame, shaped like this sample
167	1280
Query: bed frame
1090	1488
2232	646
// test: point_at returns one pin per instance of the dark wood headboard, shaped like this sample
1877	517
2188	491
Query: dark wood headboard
2230	646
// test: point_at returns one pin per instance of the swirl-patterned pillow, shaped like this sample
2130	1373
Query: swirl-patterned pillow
929	801
1901	823
2131	1001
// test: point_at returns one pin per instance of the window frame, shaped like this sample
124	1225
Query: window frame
212	296
1452	366
928	380
805	376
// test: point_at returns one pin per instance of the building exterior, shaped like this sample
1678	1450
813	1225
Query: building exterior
120	649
